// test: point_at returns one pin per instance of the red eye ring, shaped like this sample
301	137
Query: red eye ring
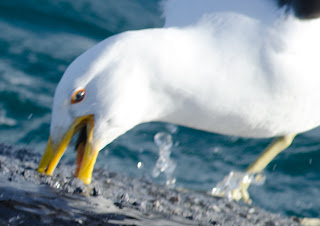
78	96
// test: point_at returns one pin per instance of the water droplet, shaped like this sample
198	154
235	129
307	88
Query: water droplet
106	151
216	150
163	140
79	220
57	185
30	116
164	164
259	179
172	128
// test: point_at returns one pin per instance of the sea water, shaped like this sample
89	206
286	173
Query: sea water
37	43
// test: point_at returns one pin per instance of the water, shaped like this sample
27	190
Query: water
164	163
38	41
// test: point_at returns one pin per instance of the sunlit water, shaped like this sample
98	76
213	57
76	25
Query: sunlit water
38	42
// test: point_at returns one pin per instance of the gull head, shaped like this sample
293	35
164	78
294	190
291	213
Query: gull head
104	93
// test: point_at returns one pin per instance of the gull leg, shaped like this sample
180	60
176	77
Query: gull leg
235	185
270	153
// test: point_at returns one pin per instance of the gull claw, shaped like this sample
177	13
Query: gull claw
234	186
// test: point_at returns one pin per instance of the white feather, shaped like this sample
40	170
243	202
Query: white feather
229	72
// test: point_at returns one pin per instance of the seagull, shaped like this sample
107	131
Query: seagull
246	68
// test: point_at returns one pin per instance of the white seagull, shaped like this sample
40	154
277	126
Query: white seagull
246	68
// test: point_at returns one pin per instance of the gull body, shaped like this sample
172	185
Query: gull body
236	78
233	72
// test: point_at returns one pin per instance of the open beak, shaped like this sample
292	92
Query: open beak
87	152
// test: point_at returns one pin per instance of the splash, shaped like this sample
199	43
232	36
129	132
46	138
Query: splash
233	184
164	164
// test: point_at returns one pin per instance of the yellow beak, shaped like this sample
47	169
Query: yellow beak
86	151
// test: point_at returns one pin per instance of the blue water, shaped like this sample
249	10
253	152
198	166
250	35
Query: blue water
37	43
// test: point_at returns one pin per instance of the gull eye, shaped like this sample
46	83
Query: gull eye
78	96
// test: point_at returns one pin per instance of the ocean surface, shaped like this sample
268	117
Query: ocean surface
38	40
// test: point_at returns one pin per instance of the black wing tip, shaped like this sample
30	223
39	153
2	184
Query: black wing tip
303	9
